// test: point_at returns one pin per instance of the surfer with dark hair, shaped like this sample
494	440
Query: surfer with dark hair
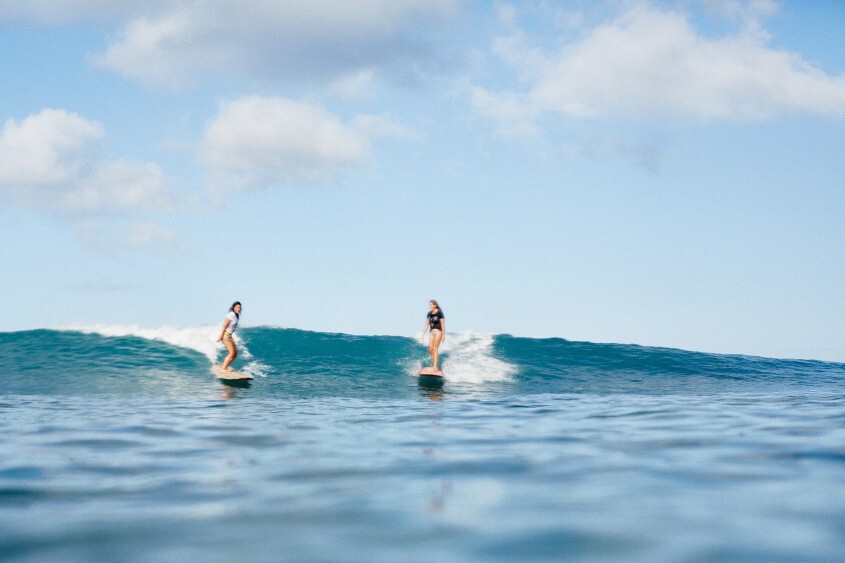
230	325
435	322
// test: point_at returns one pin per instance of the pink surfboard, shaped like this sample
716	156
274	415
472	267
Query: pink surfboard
430	372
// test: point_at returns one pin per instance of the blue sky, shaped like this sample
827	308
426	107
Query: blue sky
659	173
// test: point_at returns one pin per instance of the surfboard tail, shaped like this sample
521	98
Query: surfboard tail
430	372
231	375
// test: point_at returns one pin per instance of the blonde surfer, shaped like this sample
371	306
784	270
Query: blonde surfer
435	323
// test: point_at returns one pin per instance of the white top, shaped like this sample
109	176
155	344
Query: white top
233	322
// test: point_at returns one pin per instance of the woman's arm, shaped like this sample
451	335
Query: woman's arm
223	330
442	329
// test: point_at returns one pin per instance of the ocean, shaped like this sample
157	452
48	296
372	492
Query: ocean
118	444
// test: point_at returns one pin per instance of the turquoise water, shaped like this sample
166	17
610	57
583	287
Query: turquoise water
118	444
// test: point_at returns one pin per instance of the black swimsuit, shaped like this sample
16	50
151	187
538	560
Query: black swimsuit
434	320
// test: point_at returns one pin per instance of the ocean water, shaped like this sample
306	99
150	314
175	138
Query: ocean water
119	445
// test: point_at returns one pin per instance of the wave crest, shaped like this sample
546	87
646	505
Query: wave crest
201	339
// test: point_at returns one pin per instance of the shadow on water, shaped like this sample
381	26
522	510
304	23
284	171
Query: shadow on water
236	383
231	388
431	388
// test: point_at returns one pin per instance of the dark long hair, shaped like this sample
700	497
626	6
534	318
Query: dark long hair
232	308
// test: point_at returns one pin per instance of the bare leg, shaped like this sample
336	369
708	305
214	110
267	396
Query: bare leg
229	343
433	347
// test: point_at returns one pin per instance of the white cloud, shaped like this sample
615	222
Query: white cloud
316	40
110	235
151	235
507	14
374	126
63	12
516	117
122	186
748	11
51	159
651	64
256	141
168	50
52	148
355	86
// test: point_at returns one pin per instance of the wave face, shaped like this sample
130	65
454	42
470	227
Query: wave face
296	363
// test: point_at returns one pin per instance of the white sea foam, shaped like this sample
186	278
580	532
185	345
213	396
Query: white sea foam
253	368
471	359
470	355
203	339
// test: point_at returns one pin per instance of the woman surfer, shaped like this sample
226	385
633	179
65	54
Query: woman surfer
230	325
435	322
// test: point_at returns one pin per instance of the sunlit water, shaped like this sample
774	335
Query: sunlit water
503	468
